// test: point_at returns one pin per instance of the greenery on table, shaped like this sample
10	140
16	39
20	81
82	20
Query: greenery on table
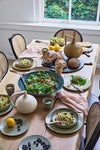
81	10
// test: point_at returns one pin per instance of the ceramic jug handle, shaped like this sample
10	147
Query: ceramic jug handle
16	93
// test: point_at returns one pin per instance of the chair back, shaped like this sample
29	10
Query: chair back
92	126
3	65
18	44
71	32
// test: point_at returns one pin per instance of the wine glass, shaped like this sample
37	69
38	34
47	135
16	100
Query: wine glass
10	88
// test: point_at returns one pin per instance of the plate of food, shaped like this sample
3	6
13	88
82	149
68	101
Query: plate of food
51	59
35	142
4	102
14	125
41	83
76	82
24	63
6	110
56	129
57	40
67	118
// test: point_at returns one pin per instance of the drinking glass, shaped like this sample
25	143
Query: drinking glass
10	88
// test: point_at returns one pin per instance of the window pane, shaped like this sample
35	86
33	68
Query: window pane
84	10
57	9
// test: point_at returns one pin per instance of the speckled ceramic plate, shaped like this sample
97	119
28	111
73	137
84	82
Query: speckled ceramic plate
27	68
64	131
13	131
36	142
6	111
83	87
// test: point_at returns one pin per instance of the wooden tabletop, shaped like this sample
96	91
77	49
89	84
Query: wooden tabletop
37	118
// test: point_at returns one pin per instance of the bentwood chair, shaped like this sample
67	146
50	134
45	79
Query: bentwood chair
92	128
71	32
18	44
3	65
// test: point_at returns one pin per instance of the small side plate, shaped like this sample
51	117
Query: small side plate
13	131
37	142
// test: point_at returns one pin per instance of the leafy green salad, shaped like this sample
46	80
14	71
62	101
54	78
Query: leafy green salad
41	83
78	80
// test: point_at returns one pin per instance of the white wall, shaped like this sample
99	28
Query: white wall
16	16
16	10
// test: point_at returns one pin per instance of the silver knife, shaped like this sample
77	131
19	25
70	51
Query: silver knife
77	88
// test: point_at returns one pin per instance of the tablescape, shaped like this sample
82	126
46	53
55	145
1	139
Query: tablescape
21	126
10	88
34	64
6	111
47	103
25	103
72	49
35	142
68	118
56	129
4	102
41	82
77	83
77	103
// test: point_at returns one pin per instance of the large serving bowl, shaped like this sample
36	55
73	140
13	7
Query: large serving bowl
24	62
68	118
4	102
45	79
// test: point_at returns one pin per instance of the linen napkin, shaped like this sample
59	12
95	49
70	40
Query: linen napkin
79	104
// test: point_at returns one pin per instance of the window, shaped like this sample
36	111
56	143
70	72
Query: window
87	11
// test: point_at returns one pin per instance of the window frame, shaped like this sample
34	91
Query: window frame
39	16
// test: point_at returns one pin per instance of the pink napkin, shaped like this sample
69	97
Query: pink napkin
79	104
34	51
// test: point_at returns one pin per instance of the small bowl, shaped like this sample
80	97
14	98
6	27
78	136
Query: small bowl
55	113
7	102
47	102
19	62
57	40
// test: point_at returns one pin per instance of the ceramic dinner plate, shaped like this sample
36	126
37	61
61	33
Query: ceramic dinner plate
36	142
64	131
13	131
83	87
21	69
6	111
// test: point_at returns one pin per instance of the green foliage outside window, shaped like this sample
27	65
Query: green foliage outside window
81	9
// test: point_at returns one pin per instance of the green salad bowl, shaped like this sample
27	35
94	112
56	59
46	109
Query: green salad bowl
22	83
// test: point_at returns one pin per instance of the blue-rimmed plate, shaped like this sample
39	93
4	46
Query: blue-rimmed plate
36	142
58	77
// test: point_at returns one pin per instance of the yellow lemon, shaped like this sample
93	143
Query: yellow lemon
56	45
57	48
10	122
51	47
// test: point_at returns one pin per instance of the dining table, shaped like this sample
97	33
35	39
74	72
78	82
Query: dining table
37	119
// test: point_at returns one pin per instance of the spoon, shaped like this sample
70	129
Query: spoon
54	122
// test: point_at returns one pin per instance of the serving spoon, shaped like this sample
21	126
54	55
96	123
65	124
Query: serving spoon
54	122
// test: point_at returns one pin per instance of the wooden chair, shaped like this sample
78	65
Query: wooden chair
71	32
18	44
3	65
92	128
